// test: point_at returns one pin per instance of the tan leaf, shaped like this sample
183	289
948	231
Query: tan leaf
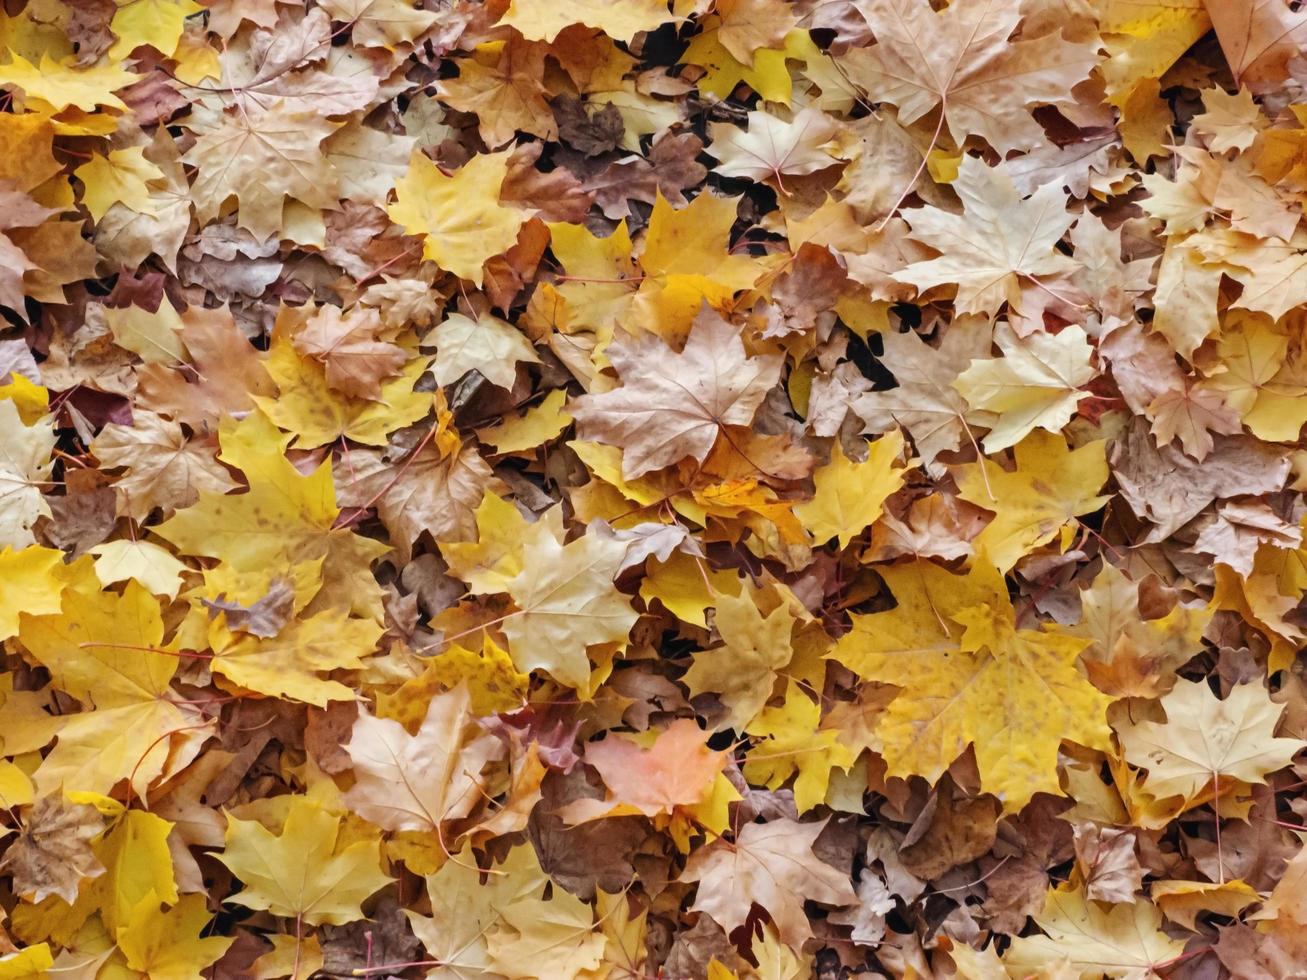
417	782
771	865
998	240
51	854
346	342
671	405
164	468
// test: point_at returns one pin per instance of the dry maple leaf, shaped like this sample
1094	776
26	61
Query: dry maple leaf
226	373
1259	39
346	342
51	855
671	406
566	602
433	492
262	155
164	469
1035	384
1205	739
772	147
926	403
417	782
677	769
25	462
771	865
998	240
964	61
1123	941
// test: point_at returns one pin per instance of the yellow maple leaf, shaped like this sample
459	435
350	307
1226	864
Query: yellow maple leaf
154	567
285	516
493	684
694	243
968	676
170	943
1035	384
490	562
287	665
317	414
768	75
1262	379
537	425
460	215
106	650
567	602
850	495
158	23
1124	940
31	584
27	963
1050	487
304	871
743	672
120	177
793	742
59	86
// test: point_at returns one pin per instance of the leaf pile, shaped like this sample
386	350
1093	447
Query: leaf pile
587	489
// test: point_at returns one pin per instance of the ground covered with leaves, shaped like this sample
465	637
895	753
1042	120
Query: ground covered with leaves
585	489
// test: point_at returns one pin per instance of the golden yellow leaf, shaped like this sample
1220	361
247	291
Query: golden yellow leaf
59	86
1050	487
306	871
969	677
29	583
157	23
793	742
1118	940
308	406
542	20
850	495
743	672
170	943
288	665
460	216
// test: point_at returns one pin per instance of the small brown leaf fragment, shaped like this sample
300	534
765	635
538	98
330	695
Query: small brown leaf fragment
51	854
959	831
264	617
591	131
1107	860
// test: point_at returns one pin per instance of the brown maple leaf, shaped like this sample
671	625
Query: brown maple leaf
672	405
964	61
773	866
